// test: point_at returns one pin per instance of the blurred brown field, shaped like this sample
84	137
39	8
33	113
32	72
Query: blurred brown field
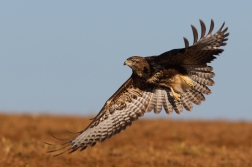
157	142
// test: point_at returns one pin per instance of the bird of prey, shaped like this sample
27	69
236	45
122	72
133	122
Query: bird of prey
173	80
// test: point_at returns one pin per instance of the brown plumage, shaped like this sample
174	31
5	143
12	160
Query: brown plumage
173	80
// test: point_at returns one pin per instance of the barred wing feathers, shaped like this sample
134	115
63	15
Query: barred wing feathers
195	58
128	103
114	122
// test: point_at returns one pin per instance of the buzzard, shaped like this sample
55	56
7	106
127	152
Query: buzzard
172	80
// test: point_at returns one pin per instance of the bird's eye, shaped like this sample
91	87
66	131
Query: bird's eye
133	61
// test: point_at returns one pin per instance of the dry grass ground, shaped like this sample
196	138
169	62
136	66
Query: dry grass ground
146	143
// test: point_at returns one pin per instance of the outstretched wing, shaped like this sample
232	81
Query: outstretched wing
194	60
201	52
129	102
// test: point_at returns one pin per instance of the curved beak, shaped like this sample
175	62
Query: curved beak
126	62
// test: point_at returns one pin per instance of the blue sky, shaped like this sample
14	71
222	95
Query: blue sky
66	57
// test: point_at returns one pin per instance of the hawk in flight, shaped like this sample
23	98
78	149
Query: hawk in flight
172	80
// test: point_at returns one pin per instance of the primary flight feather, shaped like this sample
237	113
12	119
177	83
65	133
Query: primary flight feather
173	80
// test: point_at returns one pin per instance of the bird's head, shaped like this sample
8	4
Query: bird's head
139	65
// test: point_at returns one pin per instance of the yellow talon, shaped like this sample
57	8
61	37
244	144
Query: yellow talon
176	96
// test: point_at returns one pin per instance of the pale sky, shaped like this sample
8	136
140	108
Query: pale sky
66	57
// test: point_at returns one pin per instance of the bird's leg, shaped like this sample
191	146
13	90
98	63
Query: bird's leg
175	95
187	80
155	80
